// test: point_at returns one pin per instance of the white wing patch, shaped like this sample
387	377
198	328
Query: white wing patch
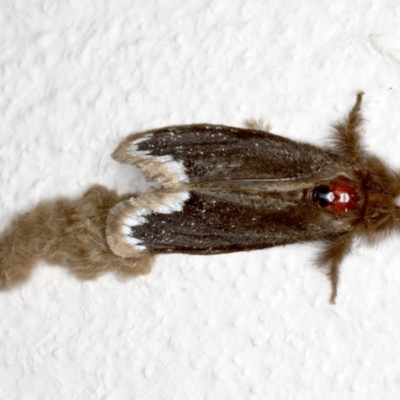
175	168
133	212
170	198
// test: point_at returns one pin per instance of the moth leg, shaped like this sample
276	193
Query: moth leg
331	258
346	138
258	125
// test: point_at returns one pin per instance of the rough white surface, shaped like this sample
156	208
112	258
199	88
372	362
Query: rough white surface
78	76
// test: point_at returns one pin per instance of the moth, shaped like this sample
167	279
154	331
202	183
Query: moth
225	189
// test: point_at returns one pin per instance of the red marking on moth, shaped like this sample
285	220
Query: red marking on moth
337	196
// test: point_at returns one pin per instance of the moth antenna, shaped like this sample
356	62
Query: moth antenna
331	257
346	137
258	124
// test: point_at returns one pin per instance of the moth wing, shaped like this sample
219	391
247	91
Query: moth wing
205	154
224	189
210	222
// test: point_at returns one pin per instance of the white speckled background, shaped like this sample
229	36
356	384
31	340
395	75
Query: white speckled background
76	77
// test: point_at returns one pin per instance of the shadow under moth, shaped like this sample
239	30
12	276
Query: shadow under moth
222	189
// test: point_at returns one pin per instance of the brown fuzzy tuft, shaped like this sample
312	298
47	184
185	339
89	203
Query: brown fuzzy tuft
258	125
347	137
65	232
331	257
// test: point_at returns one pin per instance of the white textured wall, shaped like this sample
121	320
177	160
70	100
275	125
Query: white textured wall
76	77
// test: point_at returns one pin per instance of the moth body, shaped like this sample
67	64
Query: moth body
226	189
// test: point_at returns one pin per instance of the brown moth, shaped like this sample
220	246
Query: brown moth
226	189
222	189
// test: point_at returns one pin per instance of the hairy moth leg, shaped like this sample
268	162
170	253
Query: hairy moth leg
331	257
346	138
258	125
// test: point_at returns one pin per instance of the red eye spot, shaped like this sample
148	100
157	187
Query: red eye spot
337	196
